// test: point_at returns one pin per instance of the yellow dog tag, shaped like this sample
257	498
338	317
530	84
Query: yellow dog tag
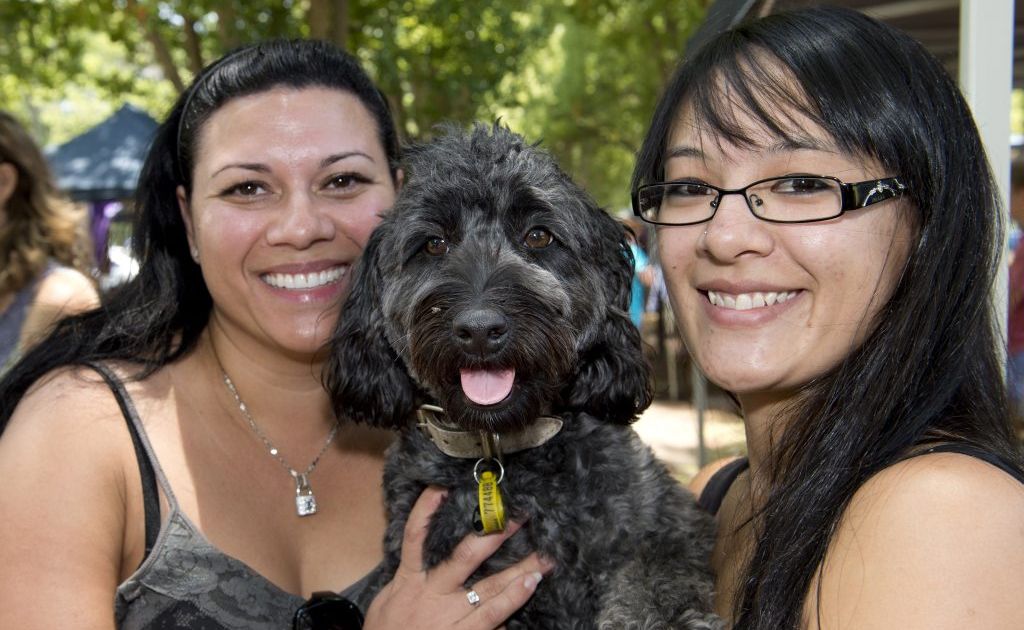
492	509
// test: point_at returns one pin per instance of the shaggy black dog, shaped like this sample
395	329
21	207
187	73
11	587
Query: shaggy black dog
502	289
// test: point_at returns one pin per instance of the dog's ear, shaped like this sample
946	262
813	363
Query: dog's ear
367	380
613	379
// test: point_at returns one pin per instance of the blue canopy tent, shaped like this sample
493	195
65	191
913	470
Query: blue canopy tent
101	167
104	163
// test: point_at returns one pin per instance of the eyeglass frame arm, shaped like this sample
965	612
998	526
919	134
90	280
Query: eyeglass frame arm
864	194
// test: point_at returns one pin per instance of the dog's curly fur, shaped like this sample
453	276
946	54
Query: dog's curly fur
468	234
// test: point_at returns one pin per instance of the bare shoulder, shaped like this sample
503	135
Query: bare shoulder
68	388
68	290
62	292
935	541
62	458
67	419
704	475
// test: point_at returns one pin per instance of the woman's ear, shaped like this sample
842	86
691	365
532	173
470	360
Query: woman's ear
8	181
186	216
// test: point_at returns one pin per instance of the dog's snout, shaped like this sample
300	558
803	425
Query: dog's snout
481	330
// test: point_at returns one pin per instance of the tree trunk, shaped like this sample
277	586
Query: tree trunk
163	57
329	20
160	50
341	23
192	47
319	19
226	25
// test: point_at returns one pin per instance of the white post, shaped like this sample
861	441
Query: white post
986	78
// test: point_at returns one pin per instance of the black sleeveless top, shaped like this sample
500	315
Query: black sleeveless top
715	490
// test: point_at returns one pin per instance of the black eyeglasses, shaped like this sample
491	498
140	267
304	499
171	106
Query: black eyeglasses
326	610
786	199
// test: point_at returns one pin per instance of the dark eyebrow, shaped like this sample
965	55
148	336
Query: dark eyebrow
684	151
263	168
259	168
783	145
800	143
336	157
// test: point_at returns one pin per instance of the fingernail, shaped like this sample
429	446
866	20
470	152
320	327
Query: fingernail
532	580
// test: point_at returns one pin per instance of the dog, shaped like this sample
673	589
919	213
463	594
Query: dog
495	292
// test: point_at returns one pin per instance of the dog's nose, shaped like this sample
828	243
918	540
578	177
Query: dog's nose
481	330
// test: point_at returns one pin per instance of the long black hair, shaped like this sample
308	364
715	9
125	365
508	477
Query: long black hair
159	315
930	369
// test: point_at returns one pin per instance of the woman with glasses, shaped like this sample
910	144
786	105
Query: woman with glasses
171	460
829	232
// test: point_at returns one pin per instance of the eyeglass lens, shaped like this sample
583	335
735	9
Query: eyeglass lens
780	199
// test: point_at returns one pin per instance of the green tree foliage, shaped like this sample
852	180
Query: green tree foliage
590	91
580	75
441	59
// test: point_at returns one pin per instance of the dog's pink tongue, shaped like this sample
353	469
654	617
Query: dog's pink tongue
487	387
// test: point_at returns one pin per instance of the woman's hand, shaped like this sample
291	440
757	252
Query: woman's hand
418	598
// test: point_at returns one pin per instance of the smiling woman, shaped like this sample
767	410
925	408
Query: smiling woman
290	225
195	475
828	229
829	275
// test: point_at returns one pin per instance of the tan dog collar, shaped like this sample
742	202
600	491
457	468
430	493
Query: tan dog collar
455	442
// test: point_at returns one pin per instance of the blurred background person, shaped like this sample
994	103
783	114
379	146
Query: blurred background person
643	273
1015	328
42	247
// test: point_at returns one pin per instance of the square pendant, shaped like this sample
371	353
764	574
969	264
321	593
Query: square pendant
305	504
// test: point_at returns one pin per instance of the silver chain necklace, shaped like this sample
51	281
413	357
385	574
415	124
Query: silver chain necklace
305	500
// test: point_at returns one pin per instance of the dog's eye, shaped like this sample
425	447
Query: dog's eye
538	238
436	246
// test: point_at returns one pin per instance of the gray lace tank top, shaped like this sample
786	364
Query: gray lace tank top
184	581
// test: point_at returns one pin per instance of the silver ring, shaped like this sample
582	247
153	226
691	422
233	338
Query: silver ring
476	469
473	597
